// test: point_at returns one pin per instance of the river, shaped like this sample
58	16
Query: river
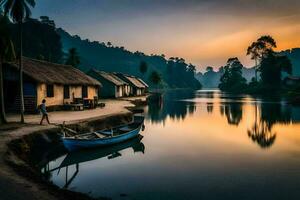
196	145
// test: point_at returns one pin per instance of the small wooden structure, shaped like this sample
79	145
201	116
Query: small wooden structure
113	86
73	141
58	84
137	87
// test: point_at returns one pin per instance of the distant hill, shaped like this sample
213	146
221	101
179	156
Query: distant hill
107	57
211	79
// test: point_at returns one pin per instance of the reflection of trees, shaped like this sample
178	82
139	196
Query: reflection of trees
233	112
262	130
262	134
172	106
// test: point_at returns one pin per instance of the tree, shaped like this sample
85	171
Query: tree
7	53
257	50
73	58
18	12
271	67
143	67
209	69
109	44
39	41
155	78
232	79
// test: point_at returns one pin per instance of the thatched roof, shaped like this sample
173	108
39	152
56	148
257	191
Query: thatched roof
110	77
132	79
52	73
143	82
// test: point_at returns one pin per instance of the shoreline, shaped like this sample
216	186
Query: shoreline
18	180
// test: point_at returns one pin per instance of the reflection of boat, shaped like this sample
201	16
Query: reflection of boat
85	155
110	151
104	137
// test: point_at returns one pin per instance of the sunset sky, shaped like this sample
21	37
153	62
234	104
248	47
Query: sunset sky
204	32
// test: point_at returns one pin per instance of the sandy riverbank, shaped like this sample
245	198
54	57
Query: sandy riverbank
12	184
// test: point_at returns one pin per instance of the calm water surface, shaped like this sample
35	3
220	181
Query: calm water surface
196	145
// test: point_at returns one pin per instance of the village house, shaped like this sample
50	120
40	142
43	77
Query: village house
137	88
58	84
113	86
145	84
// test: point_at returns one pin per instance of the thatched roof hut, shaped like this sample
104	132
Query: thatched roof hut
52	73
131	79
143	82
110	77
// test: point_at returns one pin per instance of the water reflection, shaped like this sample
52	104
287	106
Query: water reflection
172	106
200	145
267	111
266	116
233	112
74	159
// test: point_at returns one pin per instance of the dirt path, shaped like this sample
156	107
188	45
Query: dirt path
111	107
14	186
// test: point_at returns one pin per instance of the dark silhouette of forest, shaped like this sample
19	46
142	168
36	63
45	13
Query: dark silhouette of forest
211	78
175	72
271	68
43	41
40	41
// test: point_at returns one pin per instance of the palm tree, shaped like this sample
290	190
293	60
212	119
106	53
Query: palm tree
6	54
18	11
73	58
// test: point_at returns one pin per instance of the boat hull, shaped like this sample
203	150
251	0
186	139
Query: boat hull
75	144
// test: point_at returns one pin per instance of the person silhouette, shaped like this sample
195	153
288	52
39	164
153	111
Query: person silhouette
44	112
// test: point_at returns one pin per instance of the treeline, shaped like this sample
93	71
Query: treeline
174	72
211	78
45	42
270	69
40	41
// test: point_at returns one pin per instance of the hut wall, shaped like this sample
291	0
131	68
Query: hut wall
58	98
92	92
119	91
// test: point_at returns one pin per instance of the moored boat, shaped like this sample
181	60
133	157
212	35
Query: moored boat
103	137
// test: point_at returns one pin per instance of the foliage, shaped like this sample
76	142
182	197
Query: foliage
232	79
7	53
209	69
143	67
155	78
259	48
18	11
98	55
179	74
40	41
73	58
271	68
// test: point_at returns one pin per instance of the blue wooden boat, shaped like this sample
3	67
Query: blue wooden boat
104	137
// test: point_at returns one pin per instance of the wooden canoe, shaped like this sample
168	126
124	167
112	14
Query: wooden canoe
104	137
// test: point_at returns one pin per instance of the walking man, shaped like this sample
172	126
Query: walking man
44	112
